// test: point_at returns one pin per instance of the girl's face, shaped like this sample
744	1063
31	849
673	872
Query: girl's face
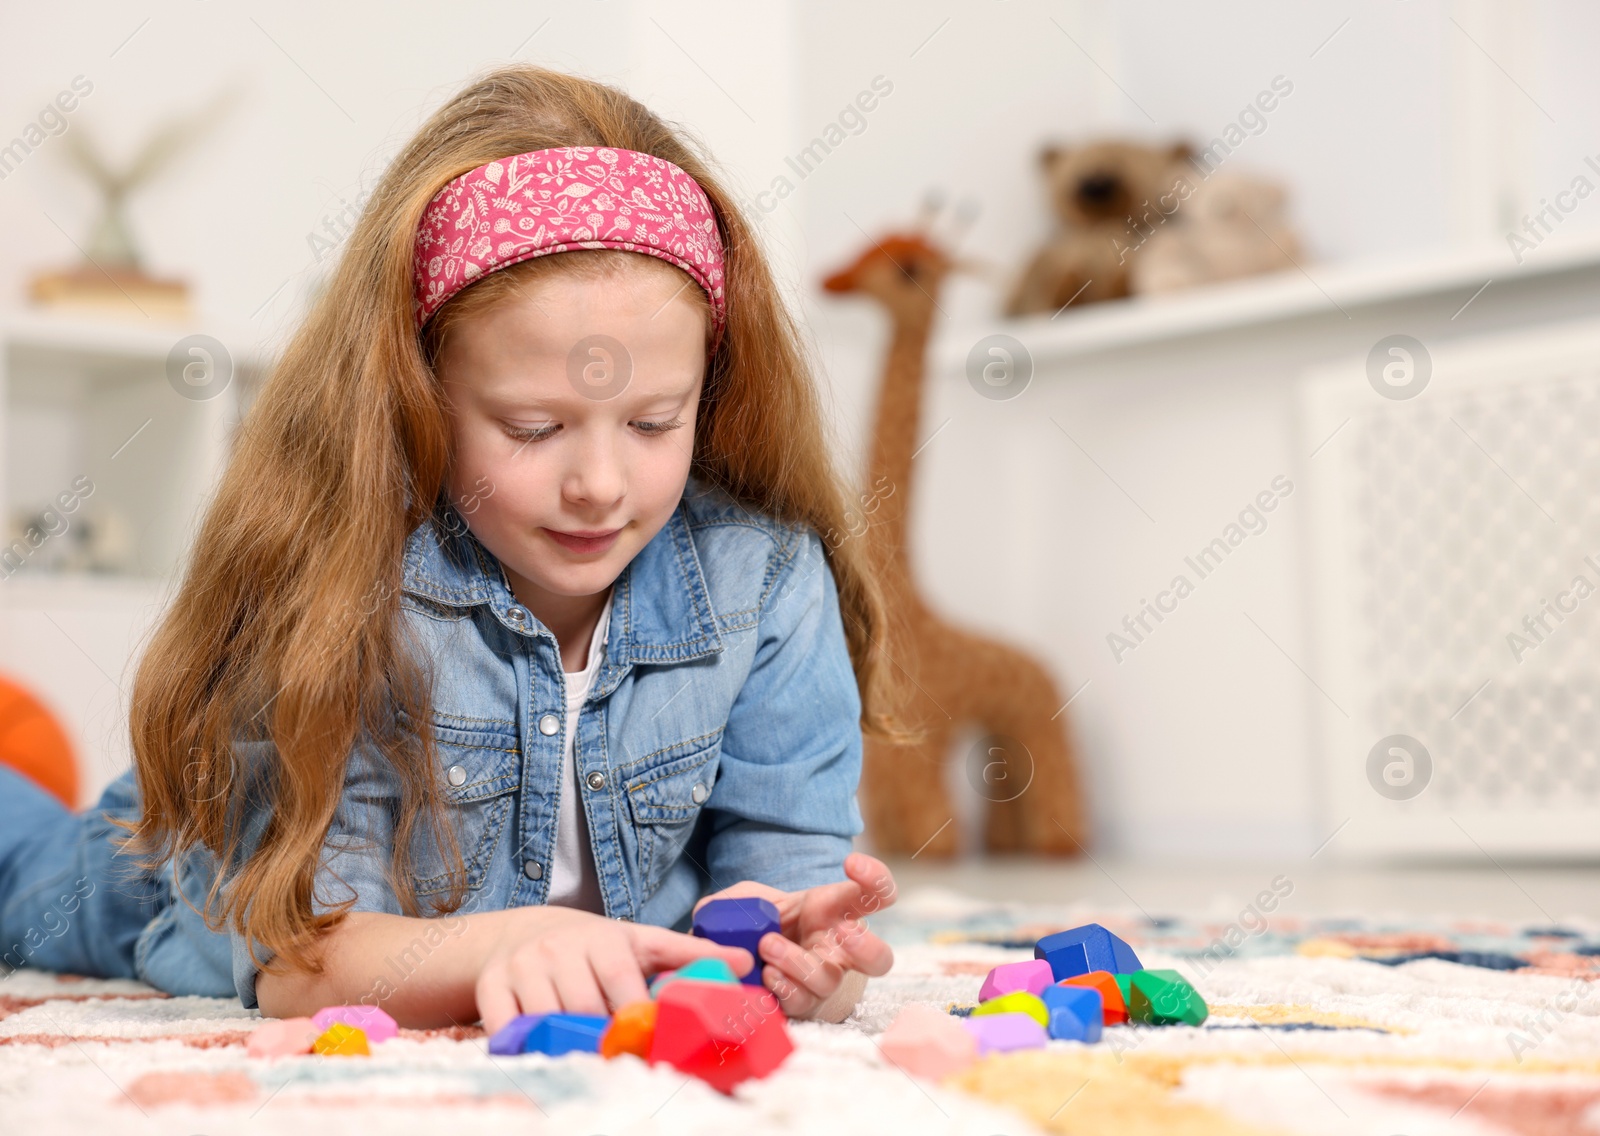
572	406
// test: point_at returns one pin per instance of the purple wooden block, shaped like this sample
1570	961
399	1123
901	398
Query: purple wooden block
1010	977
370	1020
997	1033
738	923
509	1038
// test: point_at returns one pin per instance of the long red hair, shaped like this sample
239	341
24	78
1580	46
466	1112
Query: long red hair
285	626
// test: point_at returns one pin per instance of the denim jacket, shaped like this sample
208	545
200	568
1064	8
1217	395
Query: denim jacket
720	740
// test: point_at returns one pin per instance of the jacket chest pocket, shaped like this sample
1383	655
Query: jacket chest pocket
665	797
479	769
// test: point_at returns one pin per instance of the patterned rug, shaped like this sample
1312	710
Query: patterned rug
1318	1027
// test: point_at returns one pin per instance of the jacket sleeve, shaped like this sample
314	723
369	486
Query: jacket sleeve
783	808
356	853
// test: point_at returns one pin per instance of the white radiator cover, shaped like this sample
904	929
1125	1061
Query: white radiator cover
1454	556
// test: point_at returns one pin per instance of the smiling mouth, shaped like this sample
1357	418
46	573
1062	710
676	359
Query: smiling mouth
592	541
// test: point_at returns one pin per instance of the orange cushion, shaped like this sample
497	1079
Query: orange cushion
33	743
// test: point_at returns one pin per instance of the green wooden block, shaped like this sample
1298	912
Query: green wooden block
1125	984
1017	1002
1162	997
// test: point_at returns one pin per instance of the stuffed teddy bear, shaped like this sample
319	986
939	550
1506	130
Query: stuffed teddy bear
1227	225
1106	196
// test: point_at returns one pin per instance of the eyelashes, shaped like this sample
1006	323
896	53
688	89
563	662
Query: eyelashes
660	427
648	429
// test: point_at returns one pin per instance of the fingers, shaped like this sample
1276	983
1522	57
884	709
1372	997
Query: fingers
576	985
853	947
795	1000
801	979
869	888
657	948
619	974
530	982
876	881
497	1003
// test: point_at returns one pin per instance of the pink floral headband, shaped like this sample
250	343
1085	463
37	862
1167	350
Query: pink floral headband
570	197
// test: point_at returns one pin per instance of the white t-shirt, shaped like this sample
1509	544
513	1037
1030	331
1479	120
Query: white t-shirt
573	879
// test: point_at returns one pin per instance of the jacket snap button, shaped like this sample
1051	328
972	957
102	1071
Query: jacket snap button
456	775
549	724
517	614
532	869
699	794
596	780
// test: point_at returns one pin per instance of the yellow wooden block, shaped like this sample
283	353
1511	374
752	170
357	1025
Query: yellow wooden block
1017	1002
340	1040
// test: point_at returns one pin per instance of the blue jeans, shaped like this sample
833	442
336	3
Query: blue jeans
71	901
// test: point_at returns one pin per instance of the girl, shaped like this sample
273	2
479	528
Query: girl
510	635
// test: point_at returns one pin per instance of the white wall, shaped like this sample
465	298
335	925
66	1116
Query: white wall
1412	127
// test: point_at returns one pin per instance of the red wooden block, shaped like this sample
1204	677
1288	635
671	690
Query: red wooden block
1115	1007
722	1033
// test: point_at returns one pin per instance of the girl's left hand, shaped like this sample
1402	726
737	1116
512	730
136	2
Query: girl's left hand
824	936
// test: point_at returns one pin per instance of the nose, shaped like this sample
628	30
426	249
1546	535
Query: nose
1098	188
596	479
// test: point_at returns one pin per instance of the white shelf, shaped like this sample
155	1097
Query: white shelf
1261	300
89	397
81	333
83	591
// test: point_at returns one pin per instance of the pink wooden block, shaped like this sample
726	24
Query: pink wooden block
928	1043
370	1020
1010	977
997	1033
283	1037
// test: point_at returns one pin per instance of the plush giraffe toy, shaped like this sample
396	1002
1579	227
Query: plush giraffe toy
1023	766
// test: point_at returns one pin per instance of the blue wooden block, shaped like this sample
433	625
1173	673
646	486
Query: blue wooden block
738	923
556	1034
1076	1012
509	1038
1084	949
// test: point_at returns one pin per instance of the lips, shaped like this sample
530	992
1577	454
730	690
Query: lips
594	540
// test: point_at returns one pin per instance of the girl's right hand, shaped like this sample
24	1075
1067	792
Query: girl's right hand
557	959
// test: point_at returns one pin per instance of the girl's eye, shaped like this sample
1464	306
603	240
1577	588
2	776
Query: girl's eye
527	434
524	434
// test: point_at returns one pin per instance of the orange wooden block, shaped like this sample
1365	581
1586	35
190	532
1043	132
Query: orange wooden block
1115	1008
630	1031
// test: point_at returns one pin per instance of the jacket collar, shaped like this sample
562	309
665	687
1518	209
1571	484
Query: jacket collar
661	609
